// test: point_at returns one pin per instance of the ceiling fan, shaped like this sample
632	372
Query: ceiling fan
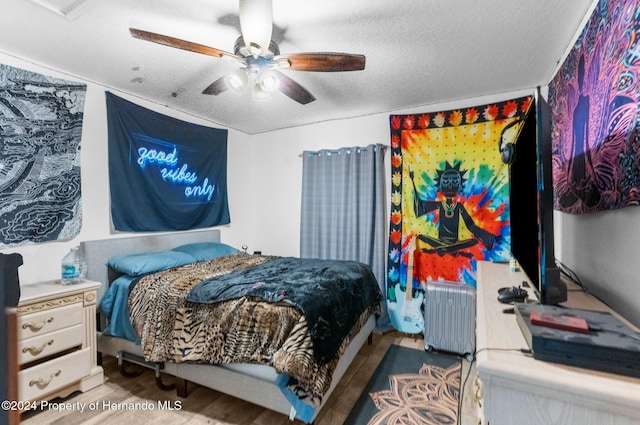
259	57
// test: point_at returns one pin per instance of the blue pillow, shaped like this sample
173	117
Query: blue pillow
205	251
149	262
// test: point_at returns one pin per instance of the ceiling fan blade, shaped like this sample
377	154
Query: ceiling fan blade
218	86
256	24
180	44
325	62
293	89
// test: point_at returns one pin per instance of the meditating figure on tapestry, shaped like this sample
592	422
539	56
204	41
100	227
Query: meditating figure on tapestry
580	165
449	183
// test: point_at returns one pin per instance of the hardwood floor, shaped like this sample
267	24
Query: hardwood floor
205	406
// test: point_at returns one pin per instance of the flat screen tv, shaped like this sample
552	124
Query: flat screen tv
531	204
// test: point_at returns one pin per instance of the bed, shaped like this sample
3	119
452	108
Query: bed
222	319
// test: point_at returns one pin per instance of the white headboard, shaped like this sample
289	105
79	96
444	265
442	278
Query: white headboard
98	252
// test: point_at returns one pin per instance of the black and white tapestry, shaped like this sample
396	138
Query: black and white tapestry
164	173
40	132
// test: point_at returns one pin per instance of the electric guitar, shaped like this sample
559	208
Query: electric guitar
406	314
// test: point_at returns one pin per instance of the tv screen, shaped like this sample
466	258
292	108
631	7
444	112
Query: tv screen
531	204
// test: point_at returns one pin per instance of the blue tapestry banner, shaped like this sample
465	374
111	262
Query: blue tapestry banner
164	173
40	132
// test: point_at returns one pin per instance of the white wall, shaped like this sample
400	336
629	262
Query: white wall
603	249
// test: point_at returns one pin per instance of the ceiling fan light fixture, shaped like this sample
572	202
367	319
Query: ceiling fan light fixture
237	80
260	95
268	80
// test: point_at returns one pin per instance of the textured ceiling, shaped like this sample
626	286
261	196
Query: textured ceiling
418	52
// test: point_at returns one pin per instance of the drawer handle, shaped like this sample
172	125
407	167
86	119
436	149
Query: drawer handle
43	382
478	393
37	326
37	350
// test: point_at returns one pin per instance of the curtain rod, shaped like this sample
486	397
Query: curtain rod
339	151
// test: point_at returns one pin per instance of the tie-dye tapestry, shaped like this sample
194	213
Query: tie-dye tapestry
594	99
449	200
40	132
164	173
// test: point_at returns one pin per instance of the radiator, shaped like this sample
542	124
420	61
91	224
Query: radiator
450	318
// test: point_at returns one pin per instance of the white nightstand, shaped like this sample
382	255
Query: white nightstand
57	340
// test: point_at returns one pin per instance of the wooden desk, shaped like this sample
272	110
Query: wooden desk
517	389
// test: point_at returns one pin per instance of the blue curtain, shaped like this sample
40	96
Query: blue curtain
343	213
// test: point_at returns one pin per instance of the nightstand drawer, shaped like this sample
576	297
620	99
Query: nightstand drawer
49	343
38	381
45	321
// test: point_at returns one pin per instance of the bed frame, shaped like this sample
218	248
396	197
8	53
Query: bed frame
250	382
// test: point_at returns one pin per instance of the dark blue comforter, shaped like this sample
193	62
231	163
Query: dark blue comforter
331	294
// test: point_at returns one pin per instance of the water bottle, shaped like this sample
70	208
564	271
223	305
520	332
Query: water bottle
74	267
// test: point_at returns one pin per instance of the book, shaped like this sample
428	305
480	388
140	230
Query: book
559	321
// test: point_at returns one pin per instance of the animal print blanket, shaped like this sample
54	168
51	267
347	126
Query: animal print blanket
240	330
331	294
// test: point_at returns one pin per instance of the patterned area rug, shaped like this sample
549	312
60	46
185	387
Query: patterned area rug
410	387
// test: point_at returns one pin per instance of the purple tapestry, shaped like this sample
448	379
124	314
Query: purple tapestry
594	100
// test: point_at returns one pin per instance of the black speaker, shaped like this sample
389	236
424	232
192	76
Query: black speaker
9	264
